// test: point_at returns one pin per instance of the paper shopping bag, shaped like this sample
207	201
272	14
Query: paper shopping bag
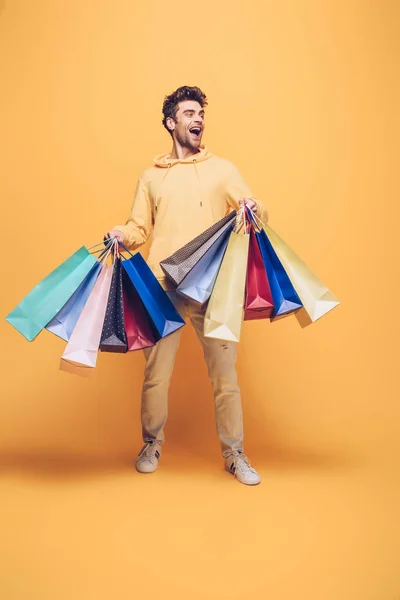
284	295
199	282
65	320
179	264
46	299
258	303
164	317
113	337
83	345
224	315
138	327
316	298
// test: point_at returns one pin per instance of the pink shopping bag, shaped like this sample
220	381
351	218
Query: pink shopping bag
83	345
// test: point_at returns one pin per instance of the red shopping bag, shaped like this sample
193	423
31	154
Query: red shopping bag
138	329
259	303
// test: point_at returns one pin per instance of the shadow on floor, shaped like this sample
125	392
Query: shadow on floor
60	465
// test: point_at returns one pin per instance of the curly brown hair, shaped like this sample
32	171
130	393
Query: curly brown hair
170	105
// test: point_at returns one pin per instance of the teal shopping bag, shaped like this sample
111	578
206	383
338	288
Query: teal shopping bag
35	311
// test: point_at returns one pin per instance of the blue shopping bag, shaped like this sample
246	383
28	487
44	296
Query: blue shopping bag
65	320
199	282
162	313
178	265
285	297
37	309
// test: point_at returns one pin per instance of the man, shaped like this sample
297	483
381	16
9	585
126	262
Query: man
184	193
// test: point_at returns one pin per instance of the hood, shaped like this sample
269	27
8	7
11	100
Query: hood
164	160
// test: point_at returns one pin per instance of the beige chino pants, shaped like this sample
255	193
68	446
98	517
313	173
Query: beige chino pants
220	358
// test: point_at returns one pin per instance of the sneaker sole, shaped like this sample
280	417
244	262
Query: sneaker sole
243	482
145	472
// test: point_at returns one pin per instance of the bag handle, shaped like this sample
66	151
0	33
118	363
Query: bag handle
105	253
125	250
111	245
256	219
243	221
105	242
106	245
252	218
239	221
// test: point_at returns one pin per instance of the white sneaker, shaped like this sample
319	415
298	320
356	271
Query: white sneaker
148	457
239	465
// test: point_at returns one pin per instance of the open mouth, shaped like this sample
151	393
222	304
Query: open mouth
195	132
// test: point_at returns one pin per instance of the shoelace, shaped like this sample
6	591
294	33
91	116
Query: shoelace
241	461
149	450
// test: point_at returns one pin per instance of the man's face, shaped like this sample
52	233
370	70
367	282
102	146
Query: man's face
189	124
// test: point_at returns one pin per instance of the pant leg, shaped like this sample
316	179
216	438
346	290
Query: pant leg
220	357
160	360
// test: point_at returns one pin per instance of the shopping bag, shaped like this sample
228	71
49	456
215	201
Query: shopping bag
46	299
258	303
65	320
83	345
138	328
113	337
316	298
199	282
163	315
179	264
284	295
224	314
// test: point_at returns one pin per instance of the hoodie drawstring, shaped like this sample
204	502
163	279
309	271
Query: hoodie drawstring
198	179
162	181
158	191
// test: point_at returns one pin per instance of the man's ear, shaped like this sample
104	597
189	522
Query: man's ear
170	124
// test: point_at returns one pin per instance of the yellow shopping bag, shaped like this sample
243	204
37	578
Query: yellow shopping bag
224	315
316	298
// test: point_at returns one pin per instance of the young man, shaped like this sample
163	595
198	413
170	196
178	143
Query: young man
184	193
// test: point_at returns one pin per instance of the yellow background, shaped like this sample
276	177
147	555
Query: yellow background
304	100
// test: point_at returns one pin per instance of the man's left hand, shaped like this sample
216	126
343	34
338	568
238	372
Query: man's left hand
248	202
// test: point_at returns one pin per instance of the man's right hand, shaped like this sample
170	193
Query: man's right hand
114	233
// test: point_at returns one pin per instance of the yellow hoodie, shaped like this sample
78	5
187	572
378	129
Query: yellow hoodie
177	199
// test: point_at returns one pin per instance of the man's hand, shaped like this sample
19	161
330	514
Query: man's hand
248	202
114	233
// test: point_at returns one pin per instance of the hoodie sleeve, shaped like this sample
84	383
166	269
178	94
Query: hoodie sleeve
236	188
138	227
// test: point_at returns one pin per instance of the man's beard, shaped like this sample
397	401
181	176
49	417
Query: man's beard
187	143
